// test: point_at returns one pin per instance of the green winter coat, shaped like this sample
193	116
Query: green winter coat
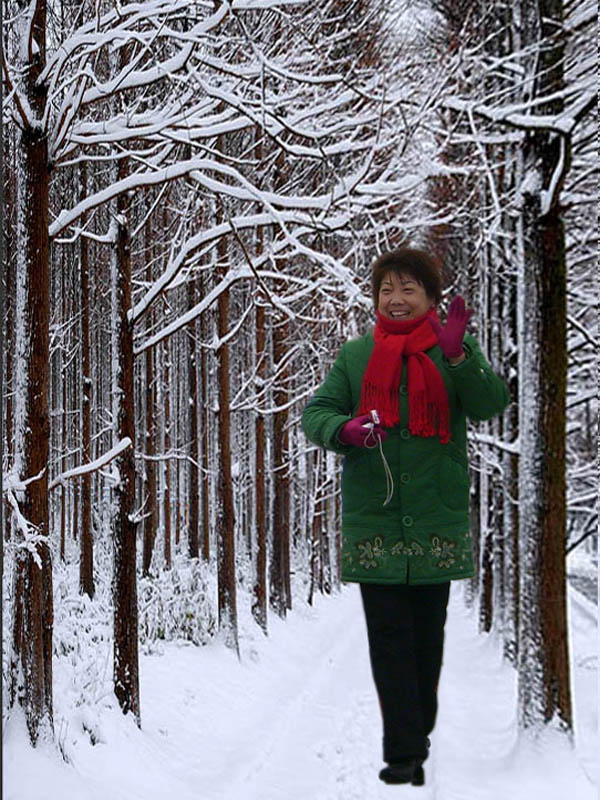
422	535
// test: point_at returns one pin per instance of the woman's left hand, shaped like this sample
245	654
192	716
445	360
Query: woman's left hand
450	336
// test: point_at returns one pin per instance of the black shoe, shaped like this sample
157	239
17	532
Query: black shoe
409	770
418	776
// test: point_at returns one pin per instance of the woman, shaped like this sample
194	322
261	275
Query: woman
405	484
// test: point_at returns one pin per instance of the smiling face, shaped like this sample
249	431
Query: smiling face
401	297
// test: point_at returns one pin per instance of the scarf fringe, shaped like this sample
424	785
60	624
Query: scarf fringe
373	397
429	419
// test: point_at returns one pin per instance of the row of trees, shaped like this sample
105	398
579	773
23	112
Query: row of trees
523	109
194	195
175	187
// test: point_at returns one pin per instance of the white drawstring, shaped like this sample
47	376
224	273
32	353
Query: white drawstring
388	472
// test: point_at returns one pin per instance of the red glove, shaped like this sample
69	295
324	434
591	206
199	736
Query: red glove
450	337
354	432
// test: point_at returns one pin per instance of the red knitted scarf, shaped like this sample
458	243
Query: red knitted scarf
429	413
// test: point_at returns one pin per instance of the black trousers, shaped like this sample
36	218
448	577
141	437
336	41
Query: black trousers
405	626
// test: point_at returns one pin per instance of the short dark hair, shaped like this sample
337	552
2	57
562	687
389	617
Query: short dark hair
419	264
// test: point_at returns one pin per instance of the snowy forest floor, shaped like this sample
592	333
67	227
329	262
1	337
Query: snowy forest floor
297	719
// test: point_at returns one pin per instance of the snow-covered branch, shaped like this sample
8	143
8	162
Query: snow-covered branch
562	123
93	466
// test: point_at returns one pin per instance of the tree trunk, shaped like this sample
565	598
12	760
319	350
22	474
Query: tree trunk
328	525
31	658
206	416
225	513
486	529
474	502
259	604
167	467
150	521
10	245
126	666
280	593
338	538
316	525
544	690
63	449
510	463
194	487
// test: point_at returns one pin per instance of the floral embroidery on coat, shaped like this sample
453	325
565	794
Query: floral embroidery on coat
414	549
446	554
443	550
370	552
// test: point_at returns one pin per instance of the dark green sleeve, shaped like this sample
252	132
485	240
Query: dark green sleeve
330	408
482	393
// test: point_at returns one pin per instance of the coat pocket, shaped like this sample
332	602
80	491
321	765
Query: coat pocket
454	482
362	483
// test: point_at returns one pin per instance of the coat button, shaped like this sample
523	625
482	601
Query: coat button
407	520
405	433
403	389
405	477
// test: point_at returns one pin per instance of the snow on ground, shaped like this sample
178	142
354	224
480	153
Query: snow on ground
297	719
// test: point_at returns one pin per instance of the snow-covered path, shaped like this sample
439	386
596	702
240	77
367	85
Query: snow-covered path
298	719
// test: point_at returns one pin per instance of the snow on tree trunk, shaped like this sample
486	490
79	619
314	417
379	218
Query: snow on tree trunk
544	691
316	513
510	470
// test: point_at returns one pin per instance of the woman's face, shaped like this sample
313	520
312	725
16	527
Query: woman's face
401	297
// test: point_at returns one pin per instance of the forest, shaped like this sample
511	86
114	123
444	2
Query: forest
193	193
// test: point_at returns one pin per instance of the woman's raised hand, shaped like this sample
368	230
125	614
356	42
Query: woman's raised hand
356	433
450	336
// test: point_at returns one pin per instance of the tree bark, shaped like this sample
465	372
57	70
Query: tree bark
225	513
280	591
316	523
167	466
150	518
486	520
10	246
544	686
510	463
194	487
206	416
31	658
63	447
126	664
259	604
